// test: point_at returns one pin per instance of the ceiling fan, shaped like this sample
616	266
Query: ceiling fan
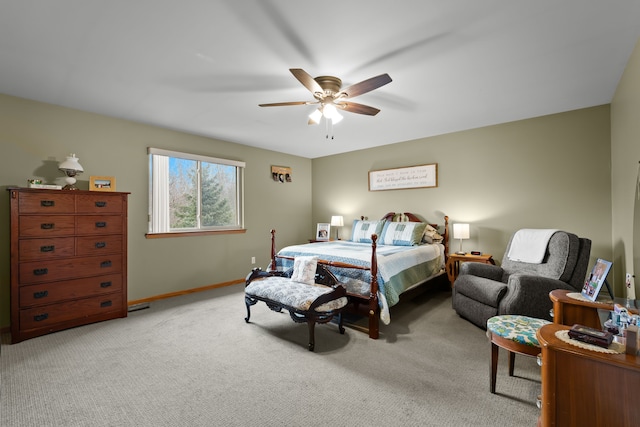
328	94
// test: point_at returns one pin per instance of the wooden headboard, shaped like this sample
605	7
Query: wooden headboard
414	218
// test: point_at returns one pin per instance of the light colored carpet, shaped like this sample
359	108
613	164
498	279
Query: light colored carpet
193	361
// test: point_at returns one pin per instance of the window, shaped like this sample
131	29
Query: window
191	193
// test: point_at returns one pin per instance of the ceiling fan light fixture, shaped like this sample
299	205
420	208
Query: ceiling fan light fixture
328	111
327	92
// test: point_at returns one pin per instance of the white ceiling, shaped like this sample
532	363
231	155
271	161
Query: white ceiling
203	66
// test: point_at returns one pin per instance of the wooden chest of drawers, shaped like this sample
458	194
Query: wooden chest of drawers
68	259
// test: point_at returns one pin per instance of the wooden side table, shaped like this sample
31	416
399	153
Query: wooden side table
454	261
569	311
582	387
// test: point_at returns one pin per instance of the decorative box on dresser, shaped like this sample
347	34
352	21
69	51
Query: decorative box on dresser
68	259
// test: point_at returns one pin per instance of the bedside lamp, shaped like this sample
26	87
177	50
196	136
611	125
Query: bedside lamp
337	221
461	231
71	168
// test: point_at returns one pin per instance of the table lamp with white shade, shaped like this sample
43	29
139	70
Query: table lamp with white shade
461	231
337	221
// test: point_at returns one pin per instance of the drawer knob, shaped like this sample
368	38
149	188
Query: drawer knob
100	245
47	203
41	317
106	303
41	294
101	204
101	224
40	271
105	264
49	248
47	226
105	284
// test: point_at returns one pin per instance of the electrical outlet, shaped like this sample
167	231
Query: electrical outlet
628	280
253	260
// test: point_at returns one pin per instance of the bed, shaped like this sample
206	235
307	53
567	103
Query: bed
381	260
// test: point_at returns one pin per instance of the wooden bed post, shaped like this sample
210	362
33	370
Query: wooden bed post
374	307
446	238
272	264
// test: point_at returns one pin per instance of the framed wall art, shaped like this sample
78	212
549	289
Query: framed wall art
421	176
102	183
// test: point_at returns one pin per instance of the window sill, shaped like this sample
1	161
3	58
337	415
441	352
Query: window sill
193	233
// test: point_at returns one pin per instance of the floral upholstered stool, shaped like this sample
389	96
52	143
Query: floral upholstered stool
516	334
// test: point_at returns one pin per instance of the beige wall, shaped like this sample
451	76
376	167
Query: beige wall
552	171
34	137
547	172
625	158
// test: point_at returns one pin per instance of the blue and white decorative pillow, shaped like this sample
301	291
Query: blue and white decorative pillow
402	233
362	230
304	269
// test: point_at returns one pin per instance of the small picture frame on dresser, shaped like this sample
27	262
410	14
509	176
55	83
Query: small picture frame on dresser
102	183
322	231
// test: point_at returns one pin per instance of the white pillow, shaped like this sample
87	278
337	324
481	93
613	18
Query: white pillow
304	269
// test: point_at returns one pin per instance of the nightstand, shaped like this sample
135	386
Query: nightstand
454	261
318	241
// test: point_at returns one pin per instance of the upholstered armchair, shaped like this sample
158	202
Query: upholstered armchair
516	287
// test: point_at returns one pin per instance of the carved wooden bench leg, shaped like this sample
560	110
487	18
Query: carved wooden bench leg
312	337
249	302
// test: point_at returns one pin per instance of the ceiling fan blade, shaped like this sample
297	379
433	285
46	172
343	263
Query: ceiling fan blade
366	86
306	79
352	107
284	104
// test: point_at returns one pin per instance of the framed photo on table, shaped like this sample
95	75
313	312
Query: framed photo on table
102	183
322	231
596	279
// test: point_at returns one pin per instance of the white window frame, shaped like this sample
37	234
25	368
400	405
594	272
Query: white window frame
159	194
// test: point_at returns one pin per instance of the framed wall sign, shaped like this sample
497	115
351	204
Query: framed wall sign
420	176
102	183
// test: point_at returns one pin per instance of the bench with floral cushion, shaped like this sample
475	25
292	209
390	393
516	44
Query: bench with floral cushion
309	291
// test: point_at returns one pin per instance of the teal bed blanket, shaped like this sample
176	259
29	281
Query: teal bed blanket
399	267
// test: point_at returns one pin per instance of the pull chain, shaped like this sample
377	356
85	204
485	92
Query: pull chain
329	128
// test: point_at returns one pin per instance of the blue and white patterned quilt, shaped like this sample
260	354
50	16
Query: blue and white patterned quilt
399	267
